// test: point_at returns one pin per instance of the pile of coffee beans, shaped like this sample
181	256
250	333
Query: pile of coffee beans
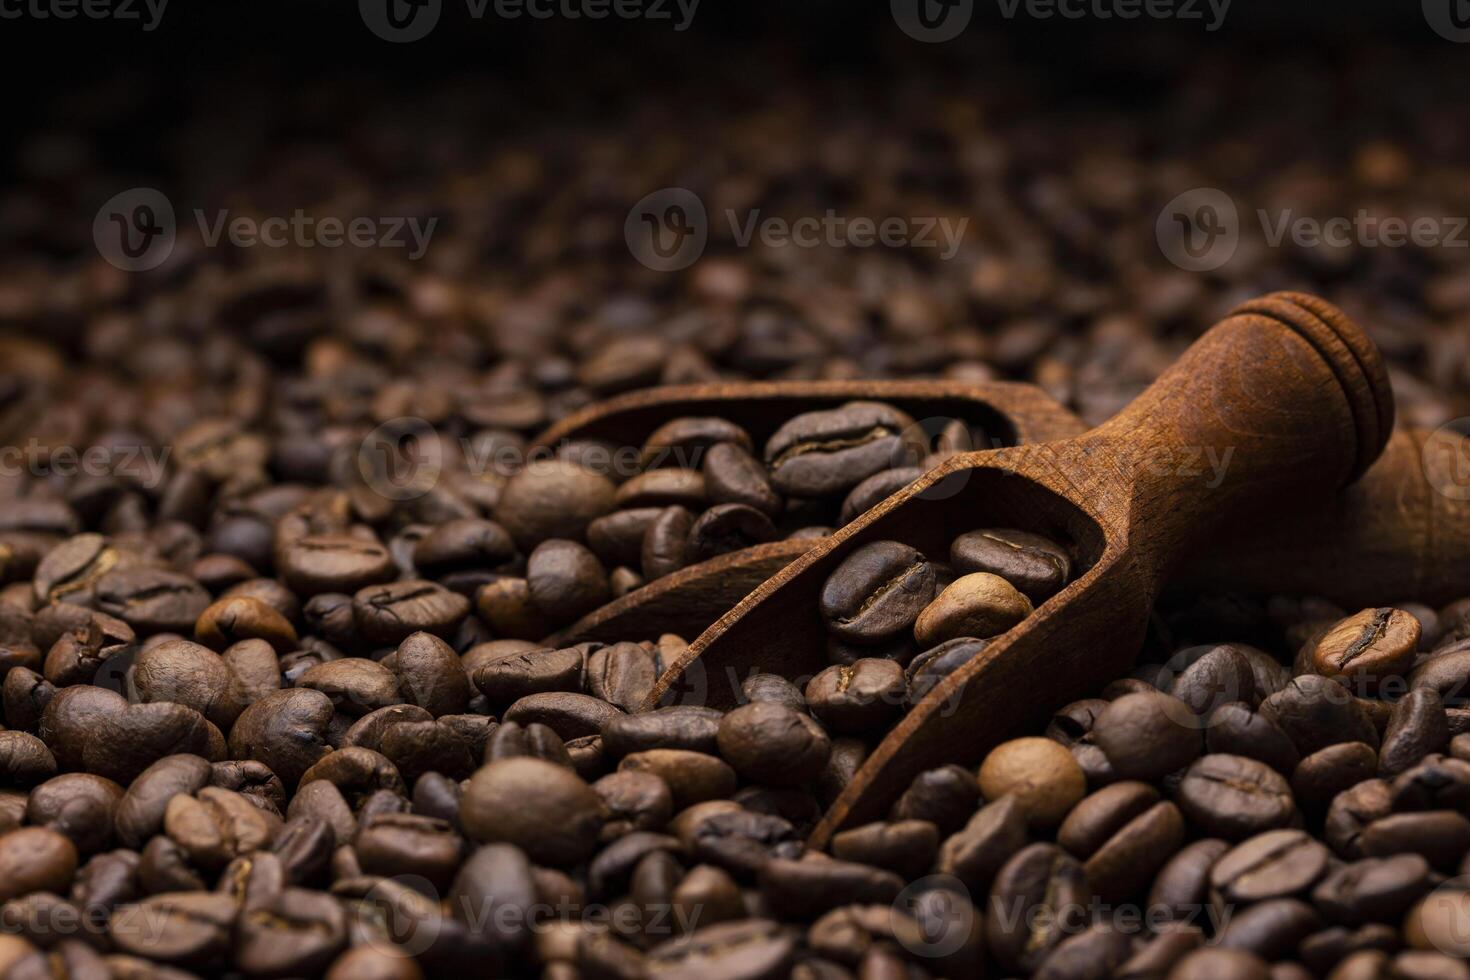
885	602
698	490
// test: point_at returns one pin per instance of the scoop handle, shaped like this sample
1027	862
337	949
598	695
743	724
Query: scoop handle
1285	401
1400	533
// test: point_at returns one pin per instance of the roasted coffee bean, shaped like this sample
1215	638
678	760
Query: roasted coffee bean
1322	775
1315	713
926	670
151	600
749	948
1436	922
215	825
416	748
1040	773
1234	797
1049	891
552	499
975	853
1416	728
979	605
1367	647
69	572
1276	864
1034	564
622	674
1435	783
663	488
285	730
724	528
565	580
733	476
1271	929
505	604
1219	675
1351	812
1447	672
692	777
315	564
101	647
877	592
876	488
946	797
1235	729
231	620
79	805
389	614
906	847
24	760
769	743
545	810
569	715
1147	735
461	544
1373	889
666	542
677	727
357	773
772	687
829	451
190	928
35	859
188	674
1441	836
858	698
634	800
805	888
1180	891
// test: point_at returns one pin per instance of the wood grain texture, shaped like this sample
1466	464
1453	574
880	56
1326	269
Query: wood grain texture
1285	391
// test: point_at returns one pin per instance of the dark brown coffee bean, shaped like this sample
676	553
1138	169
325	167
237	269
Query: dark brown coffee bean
188	674
1351	811
24	760
286	731
1436	783
1220	675
1180	891
215	825
1441	836
1373	889
830	451
926	670
692	777
859	698
505	605
1325	948
771	744
1147	735
1034	564
1237	730
569	715
315	564
565	580
128	741
683	442
428	673
1416	728
617	538
151	600
726	951
462	544
876	488
79	805
733	476
663	488
1038	899
1323	774
389	614
552	499
1093	952
298	932
35	859
96	651
1316	712
877	592
69	572
1437	922
975	853
805	888
946	797
356	686
678	727
1234	797
907	847
724	528
1270	929
231	620
634	800
1276	864
622	674
545	810
416	748
496	876
190	928
1447	672
665	542
772	687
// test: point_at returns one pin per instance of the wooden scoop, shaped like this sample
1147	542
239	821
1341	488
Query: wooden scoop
1291	389
688	600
